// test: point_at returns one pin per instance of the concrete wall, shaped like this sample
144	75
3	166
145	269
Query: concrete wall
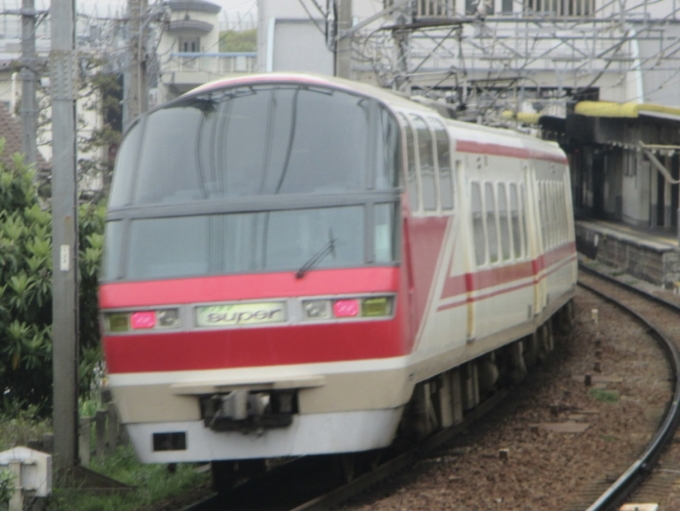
652	262
288	40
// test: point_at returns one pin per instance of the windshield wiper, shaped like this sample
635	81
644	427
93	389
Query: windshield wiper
328	248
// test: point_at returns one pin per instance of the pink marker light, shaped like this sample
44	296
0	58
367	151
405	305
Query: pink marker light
346	308
140	320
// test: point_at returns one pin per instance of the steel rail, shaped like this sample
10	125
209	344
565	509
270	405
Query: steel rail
402	461
614	495
382	471
642	467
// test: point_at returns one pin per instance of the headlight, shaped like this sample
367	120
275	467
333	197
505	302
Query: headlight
118	322
348	308
316	309
168	318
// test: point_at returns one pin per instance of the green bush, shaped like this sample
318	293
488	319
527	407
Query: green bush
26	294
6	486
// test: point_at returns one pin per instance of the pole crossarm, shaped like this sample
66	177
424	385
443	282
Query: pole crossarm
647	149
346	33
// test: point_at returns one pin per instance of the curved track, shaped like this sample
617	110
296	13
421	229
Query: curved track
639	303
323	496
318	495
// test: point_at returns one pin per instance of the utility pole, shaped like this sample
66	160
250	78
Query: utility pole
64	235
136	85
29	107
343	48
403	16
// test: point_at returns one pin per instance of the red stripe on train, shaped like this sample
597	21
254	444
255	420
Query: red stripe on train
471	146
247	287
458	285
253	347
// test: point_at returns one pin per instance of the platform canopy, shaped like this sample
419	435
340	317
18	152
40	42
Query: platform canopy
627	110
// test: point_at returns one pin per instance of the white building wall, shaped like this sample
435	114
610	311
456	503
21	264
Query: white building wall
288	40
606	50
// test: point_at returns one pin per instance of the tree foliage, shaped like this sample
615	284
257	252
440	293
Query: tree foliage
26	289
238	41
104	94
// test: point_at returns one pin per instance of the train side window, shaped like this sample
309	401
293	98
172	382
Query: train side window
411	178
446	184
385	233
428	184
542	216
491	229
523	219
554	204
551	213
564	212
478	223
546	216
504	221
126	163
389	155
514	220
113	249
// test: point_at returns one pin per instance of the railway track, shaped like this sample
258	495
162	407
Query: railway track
662	318
314	495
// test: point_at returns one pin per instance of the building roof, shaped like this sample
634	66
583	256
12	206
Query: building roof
193	5
10	130
189	25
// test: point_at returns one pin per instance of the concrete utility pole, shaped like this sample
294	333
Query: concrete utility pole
29	107
343	48
64	235
136	85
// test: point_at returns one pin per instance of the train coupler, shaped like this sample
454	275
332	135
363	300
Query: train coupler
248	412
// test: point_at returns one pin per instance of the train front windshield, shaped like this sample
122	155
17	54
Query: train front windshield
256	178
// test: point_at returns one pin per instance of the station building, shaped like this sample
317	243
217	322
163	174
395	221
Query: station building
625	164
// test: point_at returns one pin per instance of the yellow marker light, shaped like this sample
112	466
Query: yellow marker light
119	322
376	307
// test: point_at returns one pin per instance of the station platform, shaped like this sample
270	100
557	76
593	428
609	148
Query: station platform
648	254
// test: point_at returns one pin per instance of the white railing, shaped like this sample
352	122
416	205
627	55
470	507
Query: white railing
219	63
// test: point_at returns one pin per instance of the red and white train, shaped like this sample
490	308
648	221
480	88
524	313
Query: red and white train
301	265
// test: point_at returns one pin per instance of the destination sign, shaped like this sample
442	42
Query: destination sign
240	314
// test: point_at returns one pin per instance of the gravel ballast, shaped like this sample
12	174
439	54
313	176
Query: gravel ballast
555	443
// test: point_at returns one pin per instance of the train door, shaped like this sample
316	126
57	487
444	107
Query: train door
465	223
532	210
478	255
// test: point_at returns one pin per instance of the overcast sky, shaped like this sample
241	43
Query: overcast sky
103	5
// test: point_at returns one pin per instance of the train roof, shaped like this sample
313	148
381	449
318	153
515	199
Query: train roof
475	134
386	96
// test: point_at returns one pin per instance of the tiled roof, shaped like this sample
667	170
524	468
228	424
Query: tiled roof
10	130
